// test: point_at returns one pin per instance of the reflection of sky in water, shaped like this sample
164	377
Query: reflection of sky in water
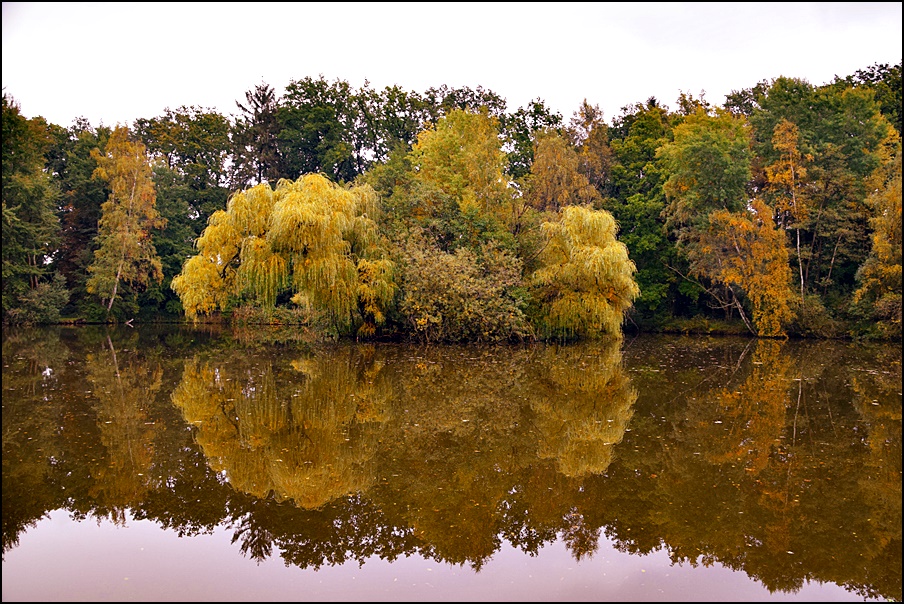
64	560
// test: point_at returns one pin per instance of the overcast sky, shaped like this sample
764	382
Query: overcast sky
114	62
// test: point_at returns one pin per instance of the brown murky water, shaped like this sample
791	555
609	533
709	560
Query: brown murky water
177	464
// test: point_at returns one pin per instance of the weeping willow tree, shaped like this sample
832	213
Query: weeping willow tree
310	238
585	282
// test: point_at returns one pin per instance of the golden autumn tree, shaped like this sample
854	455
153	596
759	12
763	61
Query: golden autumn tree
463	157
556	180
745	250
126	251
880	275
787	176
585	282
311	238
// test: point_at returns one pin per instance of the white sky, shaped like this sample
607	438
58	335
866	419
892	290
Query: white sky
114	62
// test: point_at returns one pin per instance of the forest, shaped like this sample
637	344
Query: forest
444	216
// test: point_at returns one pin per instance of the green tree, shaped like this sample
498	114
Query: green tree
843	138
195	143
633	193
885	81
708	169
190	148
255	154
72	165
316	121
520	129
440	101
126	252
30	225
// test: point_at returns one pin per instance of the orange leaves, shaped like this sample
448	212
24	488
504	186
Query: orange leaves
751	253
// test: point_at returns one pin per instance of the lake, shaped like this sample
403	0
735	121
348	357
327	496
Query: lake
179	463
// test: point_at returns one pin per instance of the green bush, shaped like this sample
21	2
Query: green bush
42	304
813	319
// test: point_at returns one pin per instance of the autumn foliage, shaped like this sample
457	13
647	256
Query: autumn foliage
443	216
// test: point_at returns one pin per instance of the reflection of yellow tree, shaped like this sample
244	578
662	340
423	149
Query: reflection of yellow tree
124	388
307	435
449	456
584	406
487	429
731	435
749	419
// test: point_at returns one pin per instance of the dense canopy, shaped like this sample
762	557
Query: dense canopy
448	216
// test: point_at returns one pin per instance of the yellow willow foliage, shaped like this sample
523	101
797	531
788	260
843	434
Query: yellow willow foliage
249	211
586	280
208	280
376	285
262	270
202	287
745	249
310	235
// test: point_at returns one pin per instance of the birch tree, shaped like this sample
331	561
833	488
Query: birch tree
126	252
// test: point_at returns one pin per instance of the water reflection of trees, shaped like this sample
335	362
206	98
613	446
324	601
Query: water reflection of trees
303	430
760	456
770	473
438	438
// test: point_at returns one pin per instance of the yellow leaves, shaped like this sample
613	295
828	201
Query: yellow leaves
463	157
125	251
556	180
201	287
585	274
310	234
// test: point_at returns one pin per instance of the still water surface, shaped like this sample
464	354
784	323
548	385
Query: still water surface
180	464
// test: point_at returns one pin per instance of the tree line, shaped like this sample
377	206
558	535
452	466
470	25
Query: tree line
444	216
